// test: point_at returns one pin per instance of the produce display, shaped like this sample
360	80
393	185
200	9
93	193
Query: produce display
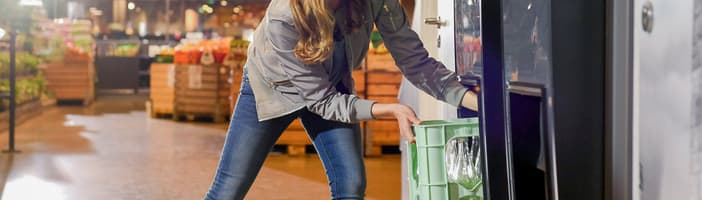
126	50
30	85
26	64
64	40
27	88
190	52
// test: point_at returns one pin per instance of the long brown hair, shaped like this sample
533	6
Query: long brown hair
314	22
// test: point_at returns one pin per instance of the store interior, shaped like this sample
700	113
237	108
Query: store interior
132	99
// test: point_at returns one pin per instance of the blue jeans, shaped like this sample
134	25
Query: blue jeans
249	141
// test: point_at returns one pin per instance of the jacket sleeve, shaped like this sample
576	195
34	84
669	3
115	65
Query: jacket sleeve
312	81
413	59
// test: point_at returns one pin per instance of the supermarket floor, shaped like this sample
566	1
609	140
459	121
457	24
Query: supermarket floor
112	150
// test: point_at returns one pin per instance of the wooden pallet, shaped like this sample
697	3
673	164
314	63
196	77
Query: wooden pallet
71	81
162	91
208	97
295	138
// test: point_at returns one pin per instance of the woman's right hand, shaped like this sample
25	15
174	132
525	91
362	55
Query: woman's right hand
404	114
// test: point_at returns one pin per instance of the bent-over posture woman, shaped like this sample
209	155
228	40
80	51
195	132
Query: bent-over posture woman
299	66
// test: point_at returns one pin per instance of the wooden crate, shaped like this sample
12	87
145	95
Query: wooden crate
382	83
381	62
162	92
201	91
381	133
382	87
71	81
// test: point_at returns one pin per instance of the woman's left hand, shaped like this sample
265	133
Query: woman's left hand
404	114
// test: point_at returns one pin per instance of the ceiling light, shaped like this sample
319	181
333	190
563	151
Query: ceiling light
223	3
31	3
130	5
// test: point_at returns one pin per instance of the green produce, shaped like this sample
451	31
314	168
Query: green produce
25	64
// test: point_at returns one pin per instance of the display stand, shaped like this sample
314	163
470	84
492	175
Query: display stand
201	91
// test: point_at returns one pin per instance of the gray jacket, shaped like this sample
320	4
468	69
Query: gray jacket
282	84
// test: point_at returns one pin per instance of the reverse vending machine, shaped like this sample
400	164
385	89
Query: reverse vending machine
538	67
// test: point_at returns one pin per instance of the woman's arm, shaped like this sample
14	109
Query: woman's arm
312	81
413	60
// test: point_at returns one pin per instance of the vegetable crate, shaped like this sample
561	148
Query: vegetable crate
162	91
201	91
71	81
427	166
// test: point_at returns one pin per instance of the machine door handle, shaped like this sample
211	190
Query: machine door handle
434	21
647	16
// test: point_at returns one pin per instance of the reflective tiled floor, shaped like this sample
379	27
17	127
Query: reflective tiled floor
112	150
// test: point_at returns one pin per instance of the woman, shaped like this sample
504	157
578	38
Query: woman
299	67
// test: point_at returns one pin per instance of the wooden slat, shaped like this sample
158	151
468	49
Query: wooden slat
381	62
383	90
385	138
195	109
382	126
198	101
384	78
70	94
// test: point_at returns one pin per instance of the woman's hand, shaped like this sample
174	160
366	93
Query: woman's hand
470	100
404	114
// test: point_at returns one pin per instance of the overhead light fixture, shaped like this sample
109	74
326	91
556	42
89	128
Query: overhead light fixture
206	9
31	3
130	5
223	3
237	9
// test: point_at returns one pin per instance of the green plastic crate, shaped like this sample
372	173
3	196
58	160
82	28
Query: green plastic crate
426	165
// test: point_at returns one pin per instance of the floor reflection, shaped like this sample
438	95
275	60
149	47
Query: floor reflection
32	188
112	150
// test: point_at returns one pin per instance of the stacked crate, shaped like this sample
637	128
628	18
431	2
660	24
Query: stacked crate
162	92
383	80
71	80
202	91
295	138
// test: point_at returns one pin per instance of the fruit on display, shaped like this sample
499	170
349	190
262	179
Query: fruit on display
191	52
76	54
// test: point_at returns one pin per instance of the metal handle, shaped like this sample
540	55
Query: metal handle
434	21
647	16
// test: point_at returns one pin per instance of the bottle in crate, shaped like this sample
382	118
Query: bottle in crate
444	164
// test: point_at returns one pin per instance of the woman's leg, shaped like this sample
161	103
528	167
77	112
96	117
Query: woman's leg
246	147
339	146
